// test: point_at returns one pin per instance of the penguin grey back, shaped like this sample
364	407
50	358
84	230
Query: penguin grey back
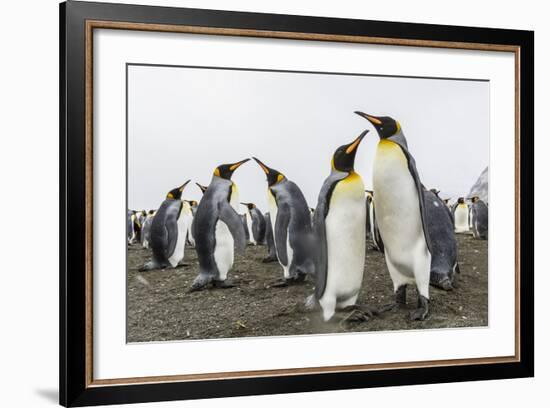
480	219
293	214
444	246
213	207
258	225
164	230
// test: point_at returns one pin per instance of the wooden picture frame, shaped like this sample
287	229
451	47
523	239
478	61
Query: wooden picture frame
78	20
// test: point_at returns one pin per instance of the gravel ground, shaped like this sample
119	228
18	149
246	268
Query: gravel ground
160	307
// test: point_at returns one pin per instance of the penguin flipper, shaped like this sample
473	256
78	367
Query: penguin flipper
233	221
171	227
323	203
402	142
281	232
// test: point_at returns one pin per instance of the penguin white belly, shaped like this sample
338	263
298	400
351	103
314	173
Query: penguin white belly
371	219
398	216
179	249
345	233
461	218
190	232
273	217
249	226
223	253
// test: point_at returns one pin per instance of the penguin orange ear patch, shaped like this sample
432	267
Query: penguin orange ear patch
217	172
280	177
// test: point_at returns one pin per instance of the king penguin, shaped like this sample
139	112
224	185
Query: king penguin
480	218
193	206
400	214
255	223
291	225
130	226
461	215
217	228
444	263
340	227
146	230
169	231
269	240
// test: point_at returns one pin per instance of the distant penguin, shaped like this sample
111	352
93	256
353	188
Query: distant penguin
291	224
269	240
245	226
255	223
480	218
401	214
368	204
139	218
218	228
461	217
169	231
146	229
340	228
201	187
130	226
193	206
444	263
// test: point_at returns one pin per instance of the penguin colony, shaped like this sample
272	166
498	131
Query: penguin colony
412	226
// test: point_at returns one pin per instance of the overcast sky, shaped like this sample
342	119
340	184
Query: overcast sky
183	122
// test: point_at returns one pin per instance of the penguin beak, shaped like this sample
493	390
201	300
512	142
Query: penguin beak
353	145
184	184
263	166
235	166
372	119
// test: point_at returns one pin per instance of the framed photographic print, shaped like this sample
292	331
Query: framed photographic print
256	203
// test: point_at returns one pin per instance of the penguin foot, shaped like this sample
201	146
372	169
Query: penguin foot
182	265
363	312
400	300
269	259
356	314
225	284
149	266
200	282
445	284
311	303
279	283
423	308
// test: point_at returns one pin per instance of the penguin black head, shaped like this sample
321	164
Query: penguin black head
225	171
151	212
203	188
384	125
435	191
343	158
460	200
175	194
250	206
474	199
273	176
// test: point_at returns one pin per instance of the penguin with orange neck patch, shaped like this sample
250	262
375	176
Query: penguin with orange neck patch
217	229
340	228
401	215
291	225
